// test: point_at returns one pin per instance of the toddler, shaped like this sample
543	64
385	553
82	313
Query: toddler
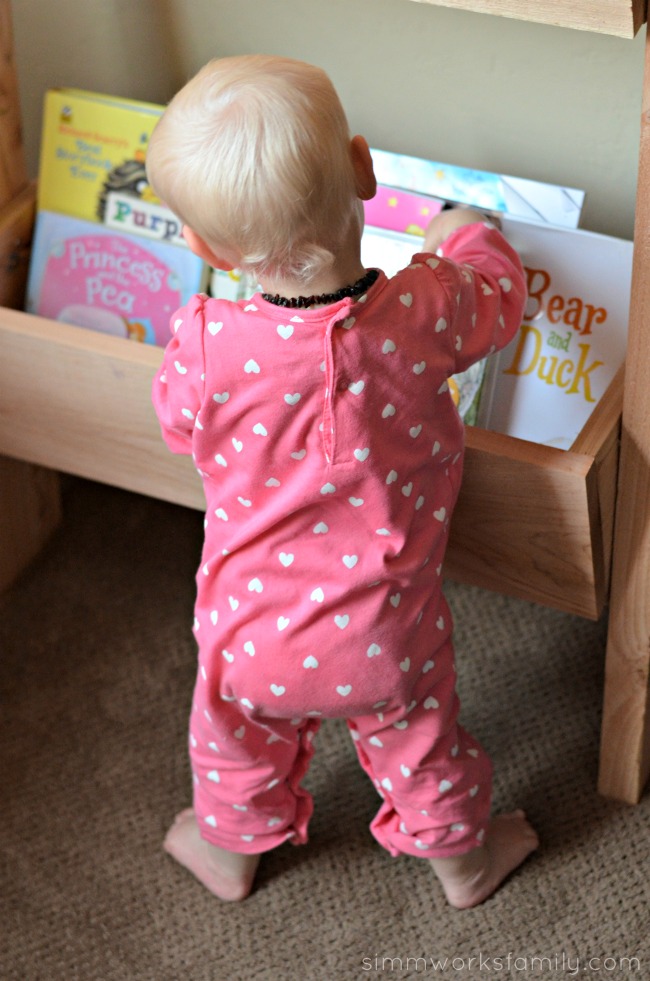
319	417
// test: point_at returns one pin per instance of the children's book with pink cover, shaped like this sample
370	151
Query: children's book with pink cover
85	274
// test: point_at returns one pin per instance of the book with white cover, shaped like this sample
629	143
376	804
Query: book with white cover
545	384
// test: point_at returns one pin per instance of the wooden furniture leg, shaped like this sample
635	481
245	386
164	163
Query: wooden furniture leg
29	512
29	495
625	742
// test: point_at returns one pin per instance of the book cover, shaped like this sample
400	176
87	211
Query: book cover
88	275
92	144
517	197
545	384
401	211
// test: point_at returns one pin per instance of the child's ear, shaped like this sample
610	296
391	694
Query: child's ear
201	248
363	168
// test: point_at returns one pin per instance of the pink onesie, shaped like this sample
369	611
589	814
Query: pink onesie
331	456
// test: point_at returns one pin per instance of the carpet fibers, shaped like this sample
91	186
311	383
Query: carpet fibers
96	673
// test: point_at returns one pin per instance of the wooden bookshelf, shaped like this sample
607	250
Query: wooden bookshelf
622	18
532	521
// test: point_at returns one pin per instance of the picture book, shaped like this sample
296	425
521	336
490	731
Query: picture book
545	384
92	163
92	145
401	211
516	197
88	275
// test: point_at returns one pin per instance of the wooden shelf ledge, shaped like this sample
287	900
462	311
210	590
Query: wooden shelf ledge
530	520
622	18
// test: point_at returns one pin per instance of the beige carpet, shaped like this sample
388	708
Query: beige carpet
97	665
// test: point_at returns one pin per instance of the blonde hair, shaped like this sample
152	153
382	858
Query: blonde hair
254	155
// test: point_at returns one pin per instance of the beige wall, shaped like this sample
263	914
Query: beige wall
522	99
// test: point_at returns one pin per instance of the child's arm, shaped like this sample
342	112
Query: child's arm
484	281
442	225
177	391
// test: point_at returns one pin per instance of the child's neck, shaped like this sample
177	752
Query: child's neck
346	270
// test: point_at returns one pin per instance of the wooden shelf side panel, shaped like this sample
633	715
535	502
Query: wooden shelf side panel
29	497
625	739
621	18
13	171
80	402
527	524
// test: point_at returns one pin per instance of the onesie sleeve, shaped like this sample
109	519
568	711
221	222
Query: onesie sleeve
177	391
486	287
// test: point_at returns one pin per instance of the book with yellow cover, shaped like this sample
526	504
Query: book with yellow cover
107	254
93	145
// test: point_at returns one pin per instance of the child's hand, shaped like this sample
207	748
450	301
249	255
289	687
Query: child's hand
442	226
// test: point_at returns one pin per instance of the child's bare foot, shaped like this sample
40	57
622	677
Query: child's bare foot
229	875
469	879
